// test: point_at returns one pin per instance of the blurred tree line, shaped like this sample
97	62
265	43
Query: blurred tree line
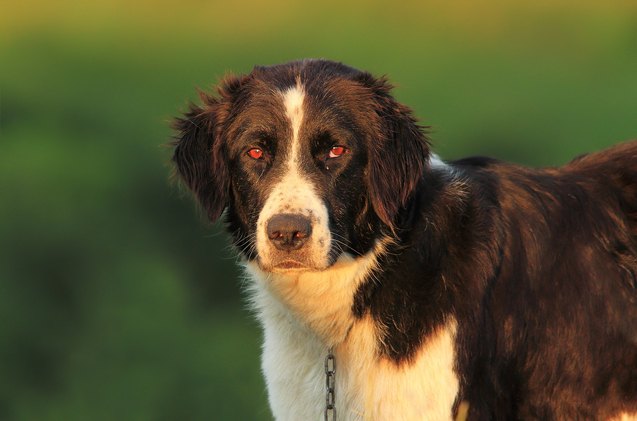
117	299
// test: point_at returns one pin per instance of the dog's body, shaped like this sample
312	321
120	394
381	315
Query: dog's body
473	286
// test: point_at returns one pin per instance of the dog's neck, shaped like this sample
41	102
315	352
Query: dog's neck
304	316
320	301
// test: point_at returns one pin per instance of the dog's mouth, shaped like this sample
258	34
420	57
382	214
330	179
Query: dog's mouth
290	265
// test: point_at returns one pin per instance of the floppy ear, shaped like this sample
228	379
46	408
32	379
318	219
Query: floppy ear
199	154
199	159
398	153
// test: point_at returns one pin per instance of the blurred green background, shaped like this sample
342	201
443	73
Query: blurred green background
117	300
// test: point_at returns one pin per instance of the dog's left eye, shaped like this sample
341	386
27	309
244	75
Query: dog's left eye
337	151
256	153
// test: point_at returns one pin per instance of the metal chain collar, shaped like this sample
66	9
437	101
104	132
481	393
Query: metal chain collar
330	383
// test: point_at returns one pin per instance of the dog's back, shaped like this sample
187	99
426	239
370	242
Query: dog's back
615	172
615	168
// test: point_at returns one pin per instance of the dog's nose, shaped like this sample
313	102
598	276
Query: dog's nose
289	231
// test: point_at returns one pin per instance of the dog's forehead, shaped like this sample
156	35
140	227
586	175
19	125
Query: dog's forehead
275	105
324	84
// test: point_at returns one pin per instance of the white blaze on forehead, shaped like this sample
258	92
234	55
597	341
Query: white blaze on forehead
293	102
295	193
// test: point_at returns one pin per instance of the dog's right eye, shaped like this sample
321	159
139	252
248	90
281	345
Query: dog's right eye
337	152
256	153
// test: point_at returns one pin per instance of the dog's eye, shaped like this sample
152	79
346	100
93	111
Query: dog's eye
256	153
337	151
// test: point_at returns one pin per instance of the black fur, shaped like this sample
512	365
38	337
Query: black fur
538	267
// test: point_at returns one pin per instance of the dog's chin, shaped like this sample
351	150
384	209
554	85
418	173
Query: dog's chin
288	265
296	267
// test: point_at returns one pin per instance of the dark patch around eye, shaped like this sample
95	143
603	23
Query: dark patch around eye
323	140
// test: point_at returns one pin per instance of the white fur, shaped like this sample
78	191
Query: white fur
305	313
295	194
436	162
373	388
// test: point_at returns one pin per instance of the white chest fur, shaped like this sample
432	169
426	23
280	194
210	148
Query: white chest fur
303	316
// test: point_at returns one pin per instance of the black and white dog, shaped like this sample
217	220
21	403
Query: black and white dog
473	287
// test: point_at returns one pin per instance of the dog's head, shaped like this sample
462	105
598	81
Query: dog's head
310	159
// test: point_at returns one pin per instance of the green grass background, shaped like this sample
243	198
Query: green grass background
117	300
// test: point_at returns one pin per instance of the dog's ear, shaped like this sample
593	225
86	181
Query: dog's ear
199	154
398	153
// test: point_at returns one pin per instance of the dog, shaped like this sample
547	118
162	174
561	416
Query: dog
391	285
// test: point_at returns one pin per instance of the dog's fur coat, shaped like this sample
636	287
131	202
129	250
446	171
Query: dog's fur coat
476	285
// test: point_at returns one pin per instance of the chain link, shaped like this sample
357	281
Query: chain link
330	384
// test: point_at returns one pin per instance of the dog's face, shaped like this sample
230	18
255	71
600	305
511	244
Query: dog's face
310	159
